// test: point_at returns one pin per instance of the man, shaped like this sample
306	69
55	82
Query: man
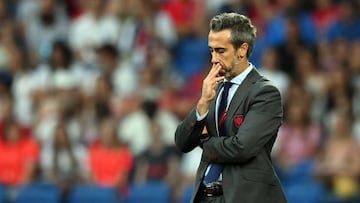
236	121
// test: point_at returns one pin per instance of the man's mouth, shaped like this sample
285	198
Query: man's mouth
222	72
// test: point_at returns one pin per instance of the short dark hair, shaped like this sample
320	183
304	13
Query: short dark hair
109	49
242	30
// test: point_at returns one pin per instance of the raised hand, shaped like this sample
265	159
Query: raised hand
210	84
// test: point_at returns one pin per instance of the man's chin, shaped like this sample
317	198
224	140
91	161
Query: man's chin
228	76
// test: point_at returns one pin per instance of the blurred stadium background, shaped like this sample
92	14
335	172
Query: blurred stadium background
91	92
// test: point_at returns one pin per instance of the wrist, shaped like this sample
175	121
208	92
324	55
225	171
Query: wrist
202	107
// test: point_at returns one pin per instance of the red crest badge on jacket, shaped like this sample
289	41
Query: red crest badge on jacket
238	119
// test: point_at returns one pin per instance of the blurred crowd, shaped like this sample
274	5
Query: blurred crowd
91	91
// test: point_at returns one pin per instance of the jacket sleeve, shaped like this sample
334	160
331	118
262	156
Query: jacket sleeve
188	133
260	126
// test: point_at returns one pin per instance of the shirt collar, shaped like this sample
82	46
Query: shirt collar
241	77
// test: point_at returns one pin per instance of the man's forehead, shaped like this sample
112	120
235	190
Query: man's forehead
222	33
219	38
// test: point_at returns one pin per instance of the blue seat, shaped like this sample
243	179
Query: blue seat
2	194
93	194
304	192
39	192
300	173
149	192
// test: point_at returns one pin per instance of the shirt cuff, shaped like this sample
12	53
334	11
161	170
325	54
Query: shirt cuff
200	118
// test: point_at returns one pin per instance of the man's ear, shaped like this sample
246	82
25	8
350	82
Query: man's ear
242	50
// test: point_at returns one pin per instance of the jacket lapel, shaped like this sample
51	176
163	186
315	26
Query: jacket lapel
242	92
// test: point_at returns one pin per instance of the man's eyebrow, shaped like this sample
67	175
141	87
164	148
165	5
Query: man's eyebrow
217	48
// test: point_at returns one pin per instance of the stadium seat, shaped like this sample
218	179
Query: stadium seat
39	192
93	194
304	192
2	194
149	192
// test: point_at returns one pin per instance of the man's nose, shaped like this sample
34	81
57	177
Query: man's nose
214	58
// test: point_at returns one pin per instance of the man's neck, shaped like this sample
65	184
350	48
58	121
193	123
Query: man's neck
241	68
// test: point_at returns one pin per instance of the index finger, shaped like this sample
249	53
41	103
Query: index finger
215	70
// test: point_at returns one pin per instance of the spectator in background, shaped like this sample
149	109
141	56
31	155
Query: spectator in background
261	12
60	65
93	28
126	13
7	43
324	15
135	125
290	10
189	169
22	87
347	26
339	92
354	64
110	161
48	24
190	53
121	72
102	98
25	11
339	165
54	74
293	43
307	71
16	66
63	162
96	107
158	162
134	129
5	83
74	8
158	23
18	160
156	29
270	69
298	140
340	48
185	14
6	10
7	116
11	33
54	91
